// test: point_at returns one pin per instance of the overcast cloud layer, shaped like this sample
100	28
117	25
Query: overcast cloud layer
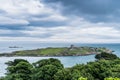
82	21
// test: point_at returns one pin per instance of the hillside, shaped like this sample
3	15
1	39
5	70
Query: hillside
61	51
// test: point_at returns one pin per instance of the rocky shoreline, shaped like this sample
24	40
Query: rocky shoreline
57	52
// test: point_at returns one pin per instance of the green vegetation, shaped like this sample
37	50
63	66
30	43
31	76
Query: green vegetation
52	69
107	56
63	51
19	69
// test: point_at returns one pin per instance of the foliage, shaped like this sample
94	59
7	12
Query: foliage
45	73
2	78
99	70
50	61
67	74
19	69
107	56
52	69
46	68
83	69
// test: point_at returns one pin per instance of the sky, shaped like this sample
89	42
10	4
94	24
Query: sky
81	21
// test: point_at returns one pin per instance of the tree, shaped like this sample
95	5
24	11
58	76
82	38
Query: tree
67	74
103	69
84	71
52	69
2	78
46	68
19	70
106	56
50	61
45	72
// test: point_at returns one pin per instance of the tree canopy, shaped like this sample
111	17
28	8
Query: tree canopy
107	56
107	65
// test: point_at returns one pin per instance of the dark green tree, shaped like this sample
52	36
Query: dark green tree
19	70
52	69
2	78
50	61
46	68
45	72
106	56
15	62
84	71
67	74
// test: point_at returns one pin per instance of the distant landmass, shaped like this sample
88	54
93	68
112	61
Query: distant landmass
60	51
14	47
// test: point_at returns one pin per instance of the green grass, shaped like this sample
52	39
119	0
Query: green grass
52	51
44	51
59	51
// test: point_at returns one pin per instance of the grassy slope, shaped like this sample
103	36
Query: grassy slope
59	51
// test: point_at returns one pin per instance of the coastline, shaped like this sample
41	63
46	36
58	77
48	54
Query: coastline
49	56
58	52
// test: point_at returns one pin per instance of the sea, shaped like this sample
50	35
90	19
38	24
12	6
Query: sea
67	61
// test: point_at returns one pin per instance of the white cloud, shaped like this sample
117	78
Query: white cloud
84	32
2	31
25	7
103	31
18	7
24	11
7	20
53	17
77	34
76	29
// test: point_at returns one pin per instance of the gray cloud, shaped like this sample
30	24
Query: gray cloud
92	10
60	20
20	33
46	23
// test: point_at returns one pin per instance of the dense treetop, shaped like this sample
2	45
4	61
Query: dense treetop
107	65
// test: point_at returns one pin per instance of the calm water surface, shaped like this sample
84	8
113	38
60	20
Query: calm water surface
66	61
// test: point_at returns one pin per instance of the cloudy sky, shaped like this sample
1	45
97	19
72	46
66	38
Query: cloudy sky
83	21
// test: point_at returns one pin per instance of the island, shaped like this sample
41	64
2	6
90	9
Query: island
14	47
60	51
